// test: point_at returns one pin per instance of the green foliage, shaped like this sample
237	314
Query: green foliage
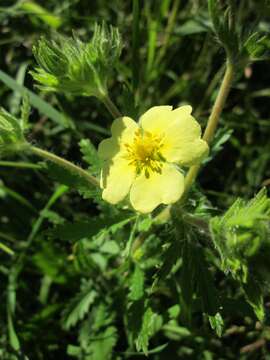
45	108
242	232
241	237
71	66
90	156
11	134
137	284
79	306
240	42
82	279
150	324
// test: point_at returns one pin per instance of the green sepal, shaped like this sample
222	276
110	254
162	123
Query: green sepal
68	65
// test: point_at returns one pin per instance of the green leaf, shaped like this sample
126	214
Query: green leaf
51	263
37	11
192	26
13	338
11	134
171	254
44	108
196	278
90	156
72	180
86	229
257	46
150	324
217	323
102	347
241	232
205	286
137	284
79	306
254	295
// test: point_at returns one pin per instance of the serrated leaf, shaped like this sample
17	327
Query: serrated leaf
79	306
86	229
241	232
171	254
51	263
197	279
72	180
205	286
90	156
137	284
254	296
101	348
149	326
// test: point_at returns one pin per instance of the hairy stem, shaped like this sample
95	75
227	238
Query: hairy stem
65	164
213	119
110	106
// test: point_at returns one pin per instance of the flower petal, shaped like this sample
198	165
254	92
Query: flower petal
123	130
108	148
182	141
116	178
155	119
160	188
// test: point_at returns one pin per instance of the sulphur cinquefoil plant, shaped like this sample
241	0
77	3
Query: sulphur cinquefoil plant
135	216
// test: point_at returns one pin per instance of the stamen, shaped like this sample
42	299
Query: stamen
144	153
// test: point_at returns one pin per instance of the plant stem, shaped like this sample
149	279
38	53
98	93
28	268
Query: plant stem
6	249
168	30
21	165
213	119
65	163
110	106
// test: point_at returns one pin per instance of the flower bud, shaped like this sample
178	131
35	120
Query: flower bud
71	66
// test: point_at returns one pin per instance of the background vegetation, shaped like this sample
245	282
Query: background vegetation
70	287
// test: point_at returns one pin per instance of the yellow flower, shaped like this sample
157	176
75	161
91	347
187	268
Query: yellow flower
143	158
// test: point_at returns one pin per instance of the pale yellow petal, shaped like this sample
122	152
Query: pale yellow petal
108	148
155	119
116	179
164	188
123	130
182	141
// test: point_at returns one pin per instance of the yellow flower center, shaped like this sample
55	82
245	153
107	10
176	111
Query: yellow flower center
144	152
